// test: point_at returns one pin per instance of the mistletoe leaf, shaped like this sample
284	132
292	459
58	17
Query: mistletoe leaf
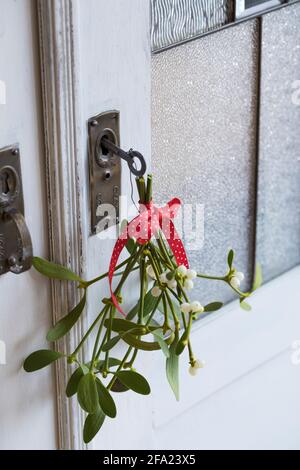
92	425
106	401
172	370
139	344
258	278
55	271
39	359
87	393
230	258
134	381
213	307
64	325
159	336
111	343
118	387
120	324
72	385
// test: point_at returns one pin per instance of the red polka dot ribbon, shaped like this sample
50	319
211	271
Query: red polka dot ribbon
143	227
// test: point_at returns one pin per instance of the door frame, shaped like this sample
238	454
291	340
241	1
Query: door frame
59	60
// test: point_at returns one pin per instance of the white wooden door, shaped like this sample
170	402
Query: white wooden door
246	396
28	415
96	57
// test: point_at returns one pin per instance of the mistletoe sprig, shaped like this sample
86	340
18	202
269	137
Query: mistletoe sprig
164	312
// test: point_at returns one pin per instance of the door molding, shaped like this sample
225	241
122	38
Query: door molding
58	35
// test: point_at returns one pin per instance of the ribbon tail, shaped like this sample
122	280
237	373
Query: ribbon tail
175	243
120	244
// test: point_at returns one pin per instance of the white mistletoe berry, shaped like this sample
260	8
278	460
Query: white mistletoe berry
235	282
163	277
155	291
172	284
182	270
150	271
240	276
197	365
197	307
188	284
185	307
191	274
193	371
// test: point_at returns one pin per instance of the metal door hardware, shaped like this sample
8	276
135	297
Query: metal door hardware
105	169
15	240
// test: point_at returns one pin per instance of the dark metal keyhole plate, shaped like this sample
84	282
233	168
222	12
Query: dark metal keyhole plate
15	240
105	171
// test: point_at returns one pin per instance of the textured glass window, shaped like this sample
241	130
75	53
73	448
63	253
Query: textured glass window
204	102
278	224
176	20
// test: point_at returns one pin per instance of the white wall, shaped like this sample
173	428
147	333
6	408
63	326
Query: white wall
27	401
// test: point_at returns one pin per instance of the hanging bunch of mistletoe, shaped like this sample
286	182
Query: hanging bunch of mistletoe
156	251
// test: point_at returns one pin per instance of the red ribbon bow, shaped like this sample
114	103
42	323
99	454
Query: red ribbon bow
143	227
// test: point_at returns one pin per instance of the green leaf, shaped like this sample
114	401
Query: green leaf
92	425
134	381
66	323
87	393
112	362
159	336
245	306
39	359
258	278
172	370
213	306
120	324
111	343
230	258
72	386
118	387
150	303
139	344
182	343
106	401
54	271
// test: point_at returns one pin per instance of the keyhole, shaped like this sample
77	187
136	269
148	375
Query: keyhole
6	182
9	185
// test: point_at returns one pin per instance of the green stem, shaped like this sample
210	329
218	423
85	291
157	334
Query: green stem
153	311
142	290
149	189
191	354
215	278
99	278
133	358
128	269
89	331
107	337
120	367
176	321
162	260
98	337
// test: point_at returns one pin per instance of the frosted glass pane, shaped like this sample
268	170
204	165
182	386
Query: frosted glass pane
278	229
203	143
175	20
